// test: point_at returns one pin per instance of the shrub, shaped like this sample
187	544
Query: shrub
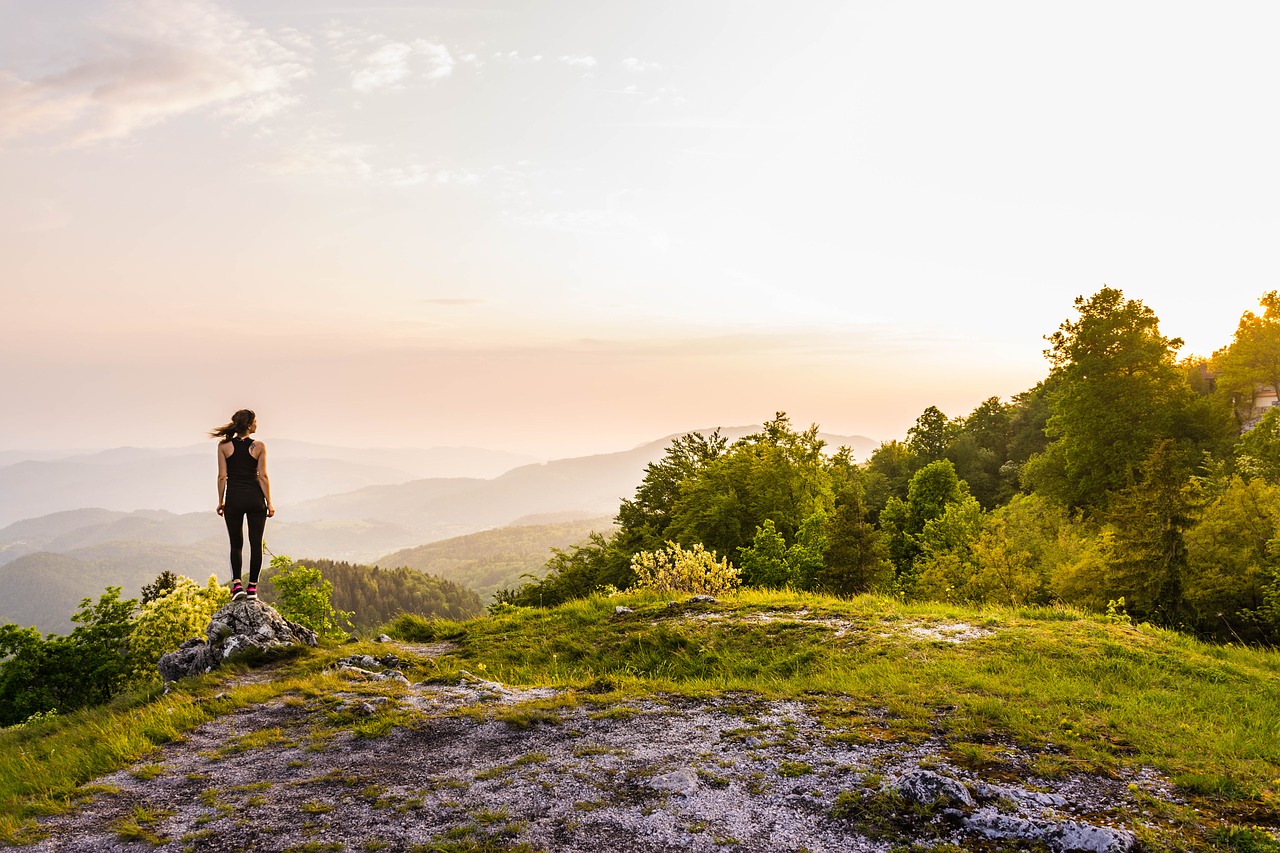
673	569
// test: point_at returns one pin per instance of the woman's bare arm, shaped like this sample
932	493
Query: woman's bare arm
222	477
263	479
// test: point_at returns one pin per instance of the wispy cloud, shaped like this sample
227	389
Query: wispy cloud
385	68
639	66
153	60
515	56
584	62
393	64
329	156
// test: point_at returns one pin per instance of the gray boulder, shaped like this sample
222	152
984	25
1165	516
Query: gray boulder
242	629
929	788
1066	836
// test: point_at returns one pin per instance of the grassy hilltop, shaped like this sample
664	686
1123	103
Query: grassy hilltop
767	700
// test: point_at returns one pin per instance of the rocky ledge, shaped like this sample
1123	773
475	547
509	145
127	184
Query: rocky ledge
242	629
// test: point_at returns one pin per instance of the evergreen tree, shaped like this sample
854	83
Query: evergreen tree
1148	564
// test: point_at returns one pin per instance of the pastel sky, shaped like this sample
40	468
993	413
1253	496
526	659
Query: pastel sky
572	226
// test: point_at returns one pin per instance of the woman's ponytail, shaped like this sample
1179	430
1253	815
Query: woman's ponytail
239	425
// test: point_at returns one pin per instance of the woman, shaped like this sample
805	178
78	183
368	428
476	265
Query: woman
244	491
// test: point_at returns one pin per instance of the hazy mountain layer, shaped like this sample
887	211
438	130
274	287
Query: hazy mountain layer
493	559
45	589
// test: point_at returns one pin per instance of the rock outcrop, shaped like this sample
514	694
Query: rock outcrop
242	629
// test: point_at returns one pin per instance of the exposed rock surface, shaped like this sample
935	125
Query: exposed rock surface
662	774
241	629
1068	836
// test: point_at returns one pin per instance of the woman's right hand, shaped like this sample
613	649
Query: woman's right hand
220	506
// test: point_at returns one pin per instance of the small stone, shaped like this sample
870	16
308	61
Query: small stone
701	599
383	638
683	782
619	610
926	787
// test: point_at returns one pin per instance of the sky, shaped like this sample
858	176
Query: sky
573	226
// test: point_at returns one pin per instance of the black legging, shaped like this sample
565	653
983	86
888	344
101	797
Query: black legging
235	517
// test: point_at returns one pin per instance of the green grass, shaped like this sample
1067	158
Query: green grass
137	826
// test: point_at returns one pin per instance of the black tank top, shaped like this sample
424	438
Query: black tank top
242	472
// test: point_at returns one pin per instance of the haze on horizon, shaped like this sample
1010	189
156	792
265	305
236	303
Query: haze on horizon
575	226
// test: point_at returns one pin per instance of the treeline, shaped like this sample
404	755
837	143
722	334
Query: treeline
1126	479
374	595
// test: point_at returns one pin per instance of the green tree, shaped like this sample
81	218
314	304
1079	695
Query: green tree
305	597
643	521
888	475
856	557
764	562
931	435
1252	359
980	452
165	582
56	673
1148	553
778	474
1258	452
1228	562
946	566
932	489
1119	394
1028	417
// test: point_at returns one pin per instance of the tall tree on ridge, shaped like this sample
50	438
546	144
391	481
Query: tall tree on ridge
1119	393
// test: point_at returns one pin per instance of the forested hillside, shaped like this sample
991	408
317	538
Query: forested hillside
44	589
374	595
1124	481
498	558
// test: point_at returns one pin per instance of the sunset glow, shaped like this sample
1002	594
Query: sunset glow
570	227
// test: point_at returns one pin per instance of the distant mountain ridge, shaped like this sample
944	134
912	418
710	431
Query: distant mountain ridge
182	479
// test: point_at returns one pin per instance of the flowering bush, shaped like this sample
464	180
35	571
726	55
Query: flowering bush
172	618
673	569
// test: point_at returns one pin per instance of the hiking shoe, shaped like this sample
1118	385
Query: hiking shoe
253	592
237	591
